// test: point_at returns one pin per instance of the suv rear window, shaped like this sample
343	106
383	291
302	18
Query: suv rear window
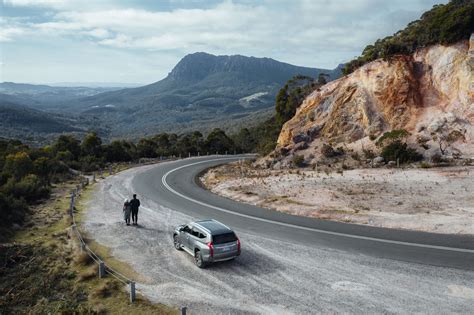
224	238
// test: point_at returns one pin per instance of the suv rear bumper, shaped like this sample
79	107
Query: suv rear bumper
210	259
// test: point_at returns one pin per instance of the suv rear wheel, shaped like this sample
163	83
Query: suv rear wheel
177	245
198	260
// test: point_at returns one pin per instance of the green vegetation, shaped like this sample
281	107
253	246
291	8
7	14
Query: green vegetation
443	24
292	95
298	160
27	174
400	150
391	136
394	147
263	137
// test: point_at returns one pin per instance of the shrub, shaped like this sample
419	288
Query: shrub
399	150
425	165
369	154
12	210
437	158
298	160
329	152
392	136
30	188
355	156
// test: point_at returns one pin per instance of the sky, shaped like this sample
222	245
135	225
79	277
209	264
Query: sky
132	41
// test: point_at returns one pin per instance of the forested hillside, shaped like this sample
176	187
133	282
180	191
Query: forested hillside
443	24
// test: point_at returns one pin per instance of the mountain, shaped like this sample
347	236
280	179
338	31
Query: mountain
44	96
428	93
202	92
37	127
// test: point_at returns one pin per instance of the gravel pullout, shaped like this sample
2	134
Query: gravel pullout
270	276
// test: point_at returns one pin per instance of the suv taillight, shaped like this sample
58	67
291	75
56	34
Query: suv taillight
238	245
211	248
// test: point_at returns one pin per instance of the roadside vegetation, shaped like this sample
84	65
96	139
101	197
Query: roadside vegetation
443	24
44	272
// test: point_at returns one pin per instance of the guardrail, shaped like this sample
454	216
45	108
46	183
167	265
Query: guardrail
103	268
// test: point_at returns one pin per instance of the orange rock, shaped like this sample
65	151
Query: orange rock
406	92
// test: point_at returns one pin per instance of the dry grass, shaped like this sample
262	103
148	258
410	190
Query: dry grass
105	289
82	259
88	274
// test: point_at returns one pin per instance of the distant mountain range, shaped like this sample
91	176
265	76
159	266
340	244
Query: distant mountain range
39	127
202	92
46	97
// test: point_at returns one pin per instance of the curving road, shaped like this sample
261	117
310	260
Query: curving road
179	190
289	264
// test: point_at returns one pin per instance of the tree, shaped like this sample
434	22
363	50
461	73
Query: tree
18	165
67	143
322	78
218	141
119	151
447	138
92	145
147	148
290	97
244	141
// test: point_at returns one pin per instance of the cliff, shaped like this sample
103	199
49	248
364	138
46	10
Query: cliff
427	93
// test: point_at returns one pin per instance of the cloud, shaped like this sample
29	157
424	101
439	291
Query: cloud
9	33
39	3
305	32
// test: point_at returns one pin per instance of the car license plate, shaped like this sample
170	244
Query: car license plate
225	249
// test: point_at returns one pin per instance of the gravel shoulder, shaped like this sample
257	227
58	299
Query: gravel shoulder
439	200
270	276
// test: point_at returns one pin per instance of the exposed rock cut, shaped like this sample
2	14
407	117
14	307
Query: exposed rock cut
429	92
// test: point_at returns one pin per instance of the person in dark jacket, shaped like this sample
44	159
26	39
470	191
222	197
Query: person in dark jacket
134	205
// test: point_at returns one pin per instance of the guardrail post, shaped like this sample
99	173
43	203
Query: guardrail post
93	177
225	152
184	310
132	291
217	152
189	154
110	170
101	269
199	154
71	205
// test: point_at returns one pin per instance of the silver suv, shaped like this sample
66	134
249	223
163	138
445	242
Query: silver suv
207	241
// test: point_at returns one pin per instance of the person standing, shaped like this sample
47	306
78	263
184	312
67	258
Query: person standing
134	205
127	209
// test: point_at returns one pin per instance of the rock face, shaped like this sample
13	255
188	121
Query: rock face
428	92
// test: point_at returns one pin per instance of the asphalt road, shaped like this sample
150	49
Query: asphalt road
289	265
174	185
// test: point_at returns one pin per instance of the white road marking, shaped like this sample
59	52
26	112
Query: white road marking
381	240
